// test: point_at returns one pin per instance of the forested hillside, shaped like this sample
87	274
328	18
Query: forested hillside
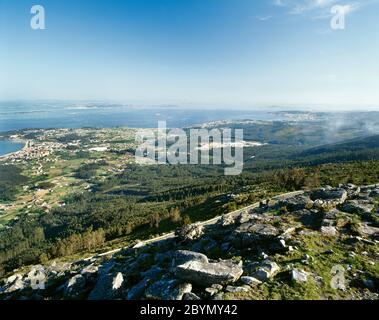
141	201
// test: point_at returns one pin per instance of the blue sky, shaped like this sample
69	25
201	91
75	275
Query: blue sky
215	52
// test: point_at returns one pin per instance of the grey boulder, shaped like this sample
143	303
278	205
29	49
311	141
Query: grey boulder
168	290
183	256
75	286
299	275
204	274
267	270
108	287
190	232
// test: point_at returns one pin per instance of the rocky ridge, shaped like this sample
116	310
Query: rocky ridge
290	248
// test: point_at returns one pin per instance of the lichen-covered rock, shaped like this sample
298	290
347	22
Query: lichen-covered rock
166	269
226	220
190	296
267	270
108	287
339	194
298	202
356	206
190	232
90	272
153	273
234	289
250	281
183	256
60	267
37	278
329	196
117	281
90	269
299	275
328	231
167	290
204	274
14	283
75	286
364	229
243	217
249	233
352	189
138	290
211	291
374	193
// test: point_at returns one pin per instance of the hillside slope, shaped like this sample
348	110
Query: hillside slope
366	143
322	244
361	149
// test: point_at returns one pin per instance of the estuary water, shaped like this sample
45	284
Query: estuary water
23	115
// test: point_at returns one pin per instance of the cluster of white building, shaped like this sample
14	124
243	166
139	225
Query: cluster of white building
33	151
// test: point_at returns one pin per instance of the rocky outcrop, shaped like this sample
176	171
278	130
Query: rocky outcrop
244	254
250	281
168	290
189	233
108	285
351	189
227	220
365	230
358	206
183	256
374	193
338	195
298	202
327	198
299	275
250	233
191	296
13	283
204	274
266	270
75	286
138	290
329	231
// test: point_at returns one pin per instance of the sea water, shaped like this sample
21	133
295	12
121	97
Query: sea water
23	115
9	147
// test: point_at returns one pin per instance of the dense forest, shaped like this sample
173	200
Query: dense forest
11	180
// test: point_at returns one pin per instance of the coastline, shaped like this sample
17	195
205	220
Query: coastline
26	145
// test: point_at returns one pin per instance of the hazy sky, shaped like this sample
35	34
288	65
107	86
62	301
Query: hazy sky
242	52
